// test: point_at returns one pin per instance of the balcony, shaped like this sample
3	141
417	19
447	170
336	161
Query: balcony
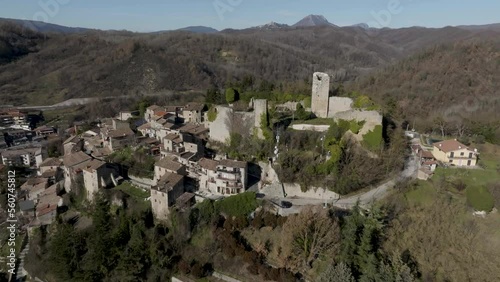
228	170
230	177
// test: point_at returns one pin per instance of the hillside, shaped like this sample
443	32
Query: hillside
454	82
39	26
54	67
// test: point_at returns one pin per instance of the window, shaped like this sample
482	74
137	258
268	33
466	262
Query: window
462	154
452	154
451	161
470	155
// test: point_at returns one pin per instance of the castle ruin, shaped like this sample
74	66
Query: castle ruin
339	108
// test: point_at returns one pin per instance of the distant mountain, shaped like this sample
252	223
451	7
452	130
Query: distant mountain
494	27
45	27
313	20
199	29
271	26
361	25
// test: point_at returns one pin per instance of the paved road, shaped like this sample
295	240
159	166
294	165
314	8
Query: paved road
84	101
365	198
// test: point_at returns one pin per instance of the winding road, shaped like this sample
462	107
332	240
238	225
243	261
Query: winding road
365	199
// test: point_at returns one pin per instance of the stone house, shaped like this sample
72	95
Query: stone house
207	174
97	175
231	177
73	166
22	156
47	204
193	113
118	139
165	193
168	165
52	169
33	187
223	177
454	153
44	130
150	112
73	144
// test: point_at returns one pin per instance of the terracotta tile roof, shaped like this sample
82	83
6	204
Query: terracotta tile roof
233	163
75	159
427	154
154	107
208	164
169	180
45	209
144	126
31	182
184	198
74	139
93	165
160	113
120	133
43	128
171	136
49	173
193	129
194	107
171	109
51	162
450	145
169	164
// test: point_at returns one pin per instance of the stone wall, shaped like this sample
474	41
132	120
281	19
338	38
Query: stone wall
371	119
242	122
339	104
320	93
310	127
218	128
289	106
294	190
144	183
259	108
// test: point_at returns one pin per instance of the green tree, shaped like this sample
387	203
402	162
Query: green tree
100	256
65	250
232	95
214	96
301	113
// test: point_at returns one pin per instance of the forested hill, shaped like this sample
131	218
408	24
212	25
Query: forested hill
455	83
55	66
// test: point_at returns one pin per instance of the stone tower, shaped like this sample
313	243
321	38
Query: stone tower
320	92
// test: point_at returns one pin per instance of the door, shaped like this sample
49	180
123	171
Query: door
469	162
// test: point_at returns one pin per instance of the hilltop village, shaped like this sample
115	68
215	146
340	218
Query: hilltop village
183	168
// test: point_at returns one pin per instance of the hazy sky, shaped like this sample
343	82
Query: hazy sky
171	14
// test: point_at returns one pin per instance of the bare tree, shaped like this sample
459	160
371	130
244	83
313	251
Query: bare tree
308	235
441	124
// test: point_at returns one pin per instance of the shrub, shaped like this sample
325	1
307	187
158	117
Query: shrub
231	95
238	205
212	114
301	113
480	198
373	139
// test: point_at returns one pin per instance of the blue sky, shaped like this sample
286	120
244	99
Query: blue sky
171	14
